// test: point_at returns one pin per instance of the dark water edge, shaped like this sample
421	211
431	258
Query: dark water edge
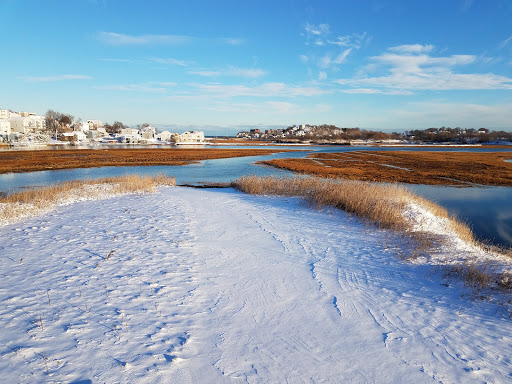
487	210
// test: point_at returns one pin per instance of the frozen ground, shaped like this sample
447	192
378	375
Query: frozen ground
211	286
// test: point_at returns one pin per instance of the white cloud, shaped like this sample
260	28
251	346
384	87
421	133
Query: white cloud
365	91
112	38
168	60
264	90
467	5
232	71
145	88
328	52
460	114
44	79
355	40
408	71
322	75
327	61
413	48
342	56
267	107
505	42
317	30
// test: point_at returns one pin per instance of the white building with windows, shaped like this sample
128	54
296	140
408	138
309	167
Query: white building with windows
94	124
5	127
189	137
27	124
5	114
81	126
165	136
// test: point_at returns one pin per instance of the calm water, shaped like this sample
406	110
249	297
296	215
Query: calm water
488	210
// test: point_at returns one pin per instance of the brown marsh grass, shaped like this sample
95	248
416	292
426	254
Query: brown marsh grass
463	169
41	160
380	205
31	201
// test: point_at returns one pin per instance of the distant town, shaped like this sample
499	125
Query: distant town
325	134
55	128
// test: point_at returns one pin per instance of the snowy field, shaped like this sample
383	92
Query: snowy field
213	286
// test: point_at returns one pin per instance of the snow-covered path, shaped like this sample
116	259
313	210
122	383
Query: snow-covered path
216	286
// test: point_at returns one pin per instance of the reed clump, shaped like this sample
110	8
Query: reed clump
33	201
381	205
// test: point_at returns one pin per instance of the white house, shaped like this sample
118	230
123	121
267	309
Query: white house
26	124
129	135
73	136
129	131
5	114
190	137
148	132
5	127
94	124
81	126
164	136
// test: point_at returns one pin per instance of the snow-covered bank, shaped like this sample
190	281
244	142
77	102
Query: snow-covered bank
188	286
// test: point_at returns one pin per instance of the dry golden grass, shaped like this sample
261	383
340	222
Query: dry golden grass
414	167
29	161
32	201
381	205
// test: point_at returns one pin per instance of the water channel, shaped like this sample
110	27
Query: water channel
487	210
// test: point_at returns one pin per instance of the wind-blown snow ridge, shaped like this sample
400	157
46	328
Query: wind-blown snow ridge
213	286
451	249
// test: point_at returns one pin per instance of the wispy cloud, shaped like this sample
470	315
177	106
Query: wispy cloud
412	48
408	71
267	107
119	39
328	61
45	79
355	40
169	61
467	5
505	42
231	71
263	90
144	88
327	51
470	115
373	91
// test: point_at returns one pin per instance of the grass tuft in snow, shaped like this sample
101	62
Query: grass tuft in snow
38	200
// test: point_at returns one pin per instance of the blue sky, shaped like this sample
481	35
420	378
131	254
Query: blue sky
223	65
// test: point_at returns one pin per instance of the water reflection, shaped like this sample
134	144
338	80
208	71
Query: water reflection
487	210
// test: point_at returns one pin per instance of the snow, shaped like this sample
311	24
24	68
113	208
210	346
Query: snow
452	249
212	286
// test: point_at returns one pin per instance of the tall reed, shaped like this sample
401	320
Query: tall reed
381	205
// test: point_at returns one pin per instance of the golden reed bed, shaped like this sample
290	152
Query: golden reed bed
433	168
29	161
